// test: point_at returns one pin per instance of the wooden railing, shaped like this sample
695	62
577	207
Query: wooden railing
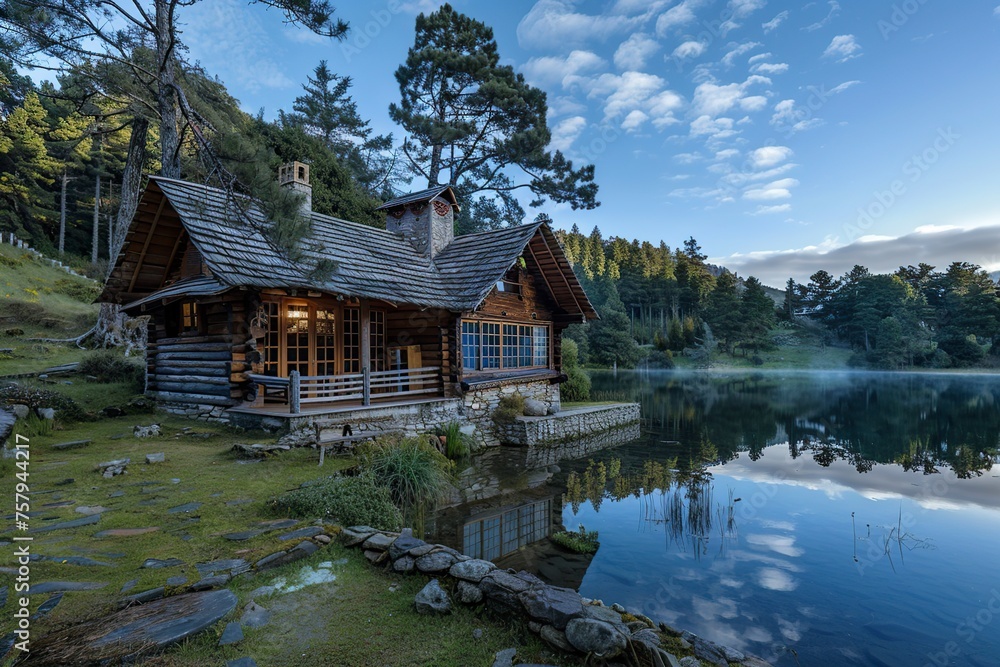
354	386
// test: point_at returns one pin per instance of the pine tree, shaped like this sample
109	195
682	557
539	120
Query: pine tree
26	170
473	122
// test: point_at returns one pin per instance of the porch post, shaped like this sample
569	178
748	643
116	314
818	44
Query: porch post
366	353
294	393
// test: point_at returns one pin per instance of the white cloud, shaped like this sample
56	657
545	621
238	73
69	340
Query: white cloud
753	103
566	132
564	105
678	15
629	91
775	22
635	51
662	107
739	10
996	11
769	210
688	158
843	48
634	120
562	70
714	128
769	156
767	69
690	49
775	190
759	57
834	10
712	99
727	154
557	23
792	118
738	51
842	87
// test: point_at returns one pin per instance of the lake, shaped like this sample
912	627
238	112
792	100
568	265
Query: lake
808	518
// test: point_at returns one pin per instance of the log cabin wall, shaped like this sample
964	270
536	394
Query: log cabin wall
428	328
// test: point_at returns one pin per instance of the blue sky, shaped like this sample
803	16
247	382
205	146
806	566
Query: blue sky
784	137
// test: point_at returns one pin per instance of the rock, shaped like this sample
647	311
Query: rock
504	658
690	661
128	585
156	563
617	607
232	565
472	570
588	635
257	452
46	413
156	458
477	633
20	410
111	468
552	605
600	613
323	539
238	501
73	444
436	562
706	650
468	593
126	532
309	531
254	616
232	634
146	431
404	543
79	561
176	581
404	565
501	590
47	607
556	639
636	626
378	542
669	659
754	661
267	561
90	510
186	507
241	662
432	599
376	557
535	408
244	535
63	586
63	525
116	494
145	596
208	583
648	638
353	536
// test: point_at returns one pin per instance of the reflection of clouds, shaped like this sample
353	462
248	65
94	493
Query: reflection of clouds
781	544
791	630
758	634
932	492
778	525
776	580
752	557
729	582
718	608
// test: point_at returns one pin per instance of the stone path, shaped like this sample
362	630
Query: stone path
75	523
125	532
70	560
63	586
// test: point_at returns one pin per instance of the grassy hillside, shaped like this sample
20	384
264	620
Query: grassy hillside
38	300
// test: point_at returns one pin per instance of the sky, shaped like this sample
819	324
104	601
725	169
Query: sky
785	137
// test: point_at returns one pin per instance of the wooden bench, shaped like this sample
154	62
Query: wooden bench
340	443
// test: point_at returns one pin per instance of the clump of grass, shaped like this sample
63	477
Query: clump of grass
111	366
33	425
416	474
581	541
81	290
456	442
509	408
354	501
66	408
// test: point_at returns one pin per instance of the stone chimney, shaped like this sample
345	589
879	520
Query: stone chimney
295	177
425	219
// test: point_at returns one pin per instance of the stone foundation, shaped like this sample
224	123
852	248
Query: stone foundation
569	425
208	413
480	401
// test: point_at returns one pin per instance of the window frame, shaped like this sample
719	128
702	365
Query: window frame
510	344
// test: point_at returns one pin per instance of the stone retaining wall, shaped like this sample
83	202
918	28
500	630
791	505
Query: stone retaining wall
560	616
478	405
208	413
569	424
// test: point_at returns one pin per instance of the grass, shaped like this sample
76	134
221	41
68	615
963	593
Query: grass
581	541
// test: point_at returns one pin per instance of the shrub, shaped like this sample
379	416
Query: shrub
509	408
581	541
660	359
66	408
354	501
26	312
414	471
111	366
577	387
77	289
13	332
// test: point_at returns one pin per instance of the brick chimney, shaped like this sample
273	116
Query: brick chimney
295	177
425	219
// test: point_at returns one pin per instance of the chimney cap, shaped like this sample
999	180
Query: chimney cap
444	191
293	172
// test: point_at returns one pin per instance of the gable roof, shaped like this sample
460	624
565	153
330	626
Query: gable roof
421	196
371	263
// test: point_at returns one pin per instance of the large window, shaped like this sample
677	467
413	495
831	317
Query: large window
376	339
352	340
297	338
326	342
495	345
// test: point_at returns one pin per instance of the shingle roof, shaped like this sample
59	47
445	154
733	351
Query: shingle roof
200	286
423	195
371	263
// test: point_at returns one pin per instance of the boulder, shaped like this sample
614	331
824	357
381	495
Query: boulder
707	651
502	588
535	408
504	658
403	565
404	543
146	431
432	599
46	413
552	605
472	570
436	562
588	635
232	634
20	410
254	616
468	593
556	639
159	457
378	542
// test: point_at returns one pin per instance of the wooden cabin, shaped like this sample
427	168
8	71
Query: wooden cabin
409	312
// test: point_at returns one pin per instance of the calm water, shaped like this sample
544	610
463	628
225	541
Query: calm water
811	519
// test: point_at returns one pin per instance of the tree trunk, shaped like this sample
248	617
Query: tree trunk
170	157
96	239
110	220
62	215
131	182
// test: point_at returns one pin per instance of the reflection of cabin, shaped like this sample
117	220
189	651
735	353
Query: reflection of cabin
408	313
